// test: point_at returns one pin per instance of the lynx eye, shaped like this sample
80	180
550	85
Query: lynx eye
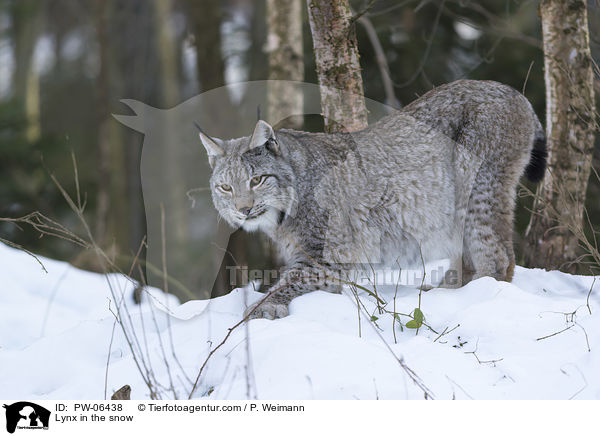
225	188
257	181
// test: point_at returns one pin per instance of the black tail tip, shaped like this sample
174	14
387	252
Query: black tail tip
537	164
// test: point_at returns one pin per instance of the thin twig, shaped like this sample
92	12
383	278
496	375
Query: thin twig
587	340
436	23
52	297
18	247
446	332
474	353
112	335
382	63
230	331
358	15
527	77
163	238
587	301
557	333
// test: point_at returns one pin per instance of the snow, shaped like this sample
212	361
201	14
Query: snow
56	329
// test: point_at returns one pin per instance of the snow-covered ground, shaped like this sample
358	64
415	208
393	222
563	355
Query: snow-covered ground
56	329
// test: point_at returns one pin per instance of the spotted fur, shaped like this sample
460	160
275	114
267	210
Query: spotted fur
434	180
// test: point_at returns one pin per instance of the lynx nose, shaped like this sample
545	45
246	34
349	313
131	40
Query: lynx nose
245	210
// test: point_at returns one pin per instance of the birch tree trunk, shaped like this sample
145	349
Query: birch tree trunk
570	123
284	46
338	67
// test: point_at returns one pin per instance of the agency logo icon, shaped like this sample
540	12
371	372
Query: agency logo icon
26	415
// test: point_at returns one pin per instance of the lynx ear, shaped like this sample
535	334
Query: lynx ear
264	135
213	146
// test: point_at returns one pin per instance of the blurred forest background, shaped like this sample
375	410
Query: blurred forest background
64	66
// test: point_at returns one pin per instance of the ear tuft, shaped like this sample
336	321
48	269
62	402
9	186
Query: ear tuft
213	146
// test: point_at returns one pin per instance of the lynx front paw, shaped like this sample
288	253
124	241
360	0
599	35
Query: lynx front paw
267	310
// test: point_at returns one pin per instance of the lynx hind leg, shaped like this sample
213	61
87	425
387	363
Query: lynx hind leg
488	246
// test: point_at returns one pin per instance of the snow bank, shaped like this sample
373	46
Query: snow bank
501	340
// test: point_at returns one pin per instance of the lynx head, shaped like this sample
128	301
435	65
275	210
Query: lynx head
251	182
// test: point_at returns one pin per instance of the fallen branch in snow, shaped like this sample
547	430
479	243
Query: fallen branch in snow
556	333
587	340
571	318
474	353
587	300
446	332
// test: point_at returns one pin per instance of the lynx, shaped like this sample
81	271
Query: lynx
435	180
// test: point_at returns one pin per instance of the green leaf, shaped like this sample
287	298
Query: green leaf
419	316
374	318
417	320
412	324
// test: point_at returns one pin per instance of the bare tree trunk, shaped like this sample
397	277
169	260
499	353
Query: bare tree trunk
32	106
130	58
102	103
570	124
176	207
166	45
284	46
205	20
111	203
27	21
338	67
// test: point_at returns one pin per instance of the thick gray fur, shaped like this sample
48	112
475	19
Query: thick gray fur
434	180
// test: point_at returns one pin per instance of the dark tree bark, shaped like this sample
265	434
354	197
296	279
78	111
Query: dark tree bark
338	67
205	20
102	108
557	221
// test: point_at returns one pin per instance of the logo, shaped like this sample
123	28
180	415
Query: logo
25	415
